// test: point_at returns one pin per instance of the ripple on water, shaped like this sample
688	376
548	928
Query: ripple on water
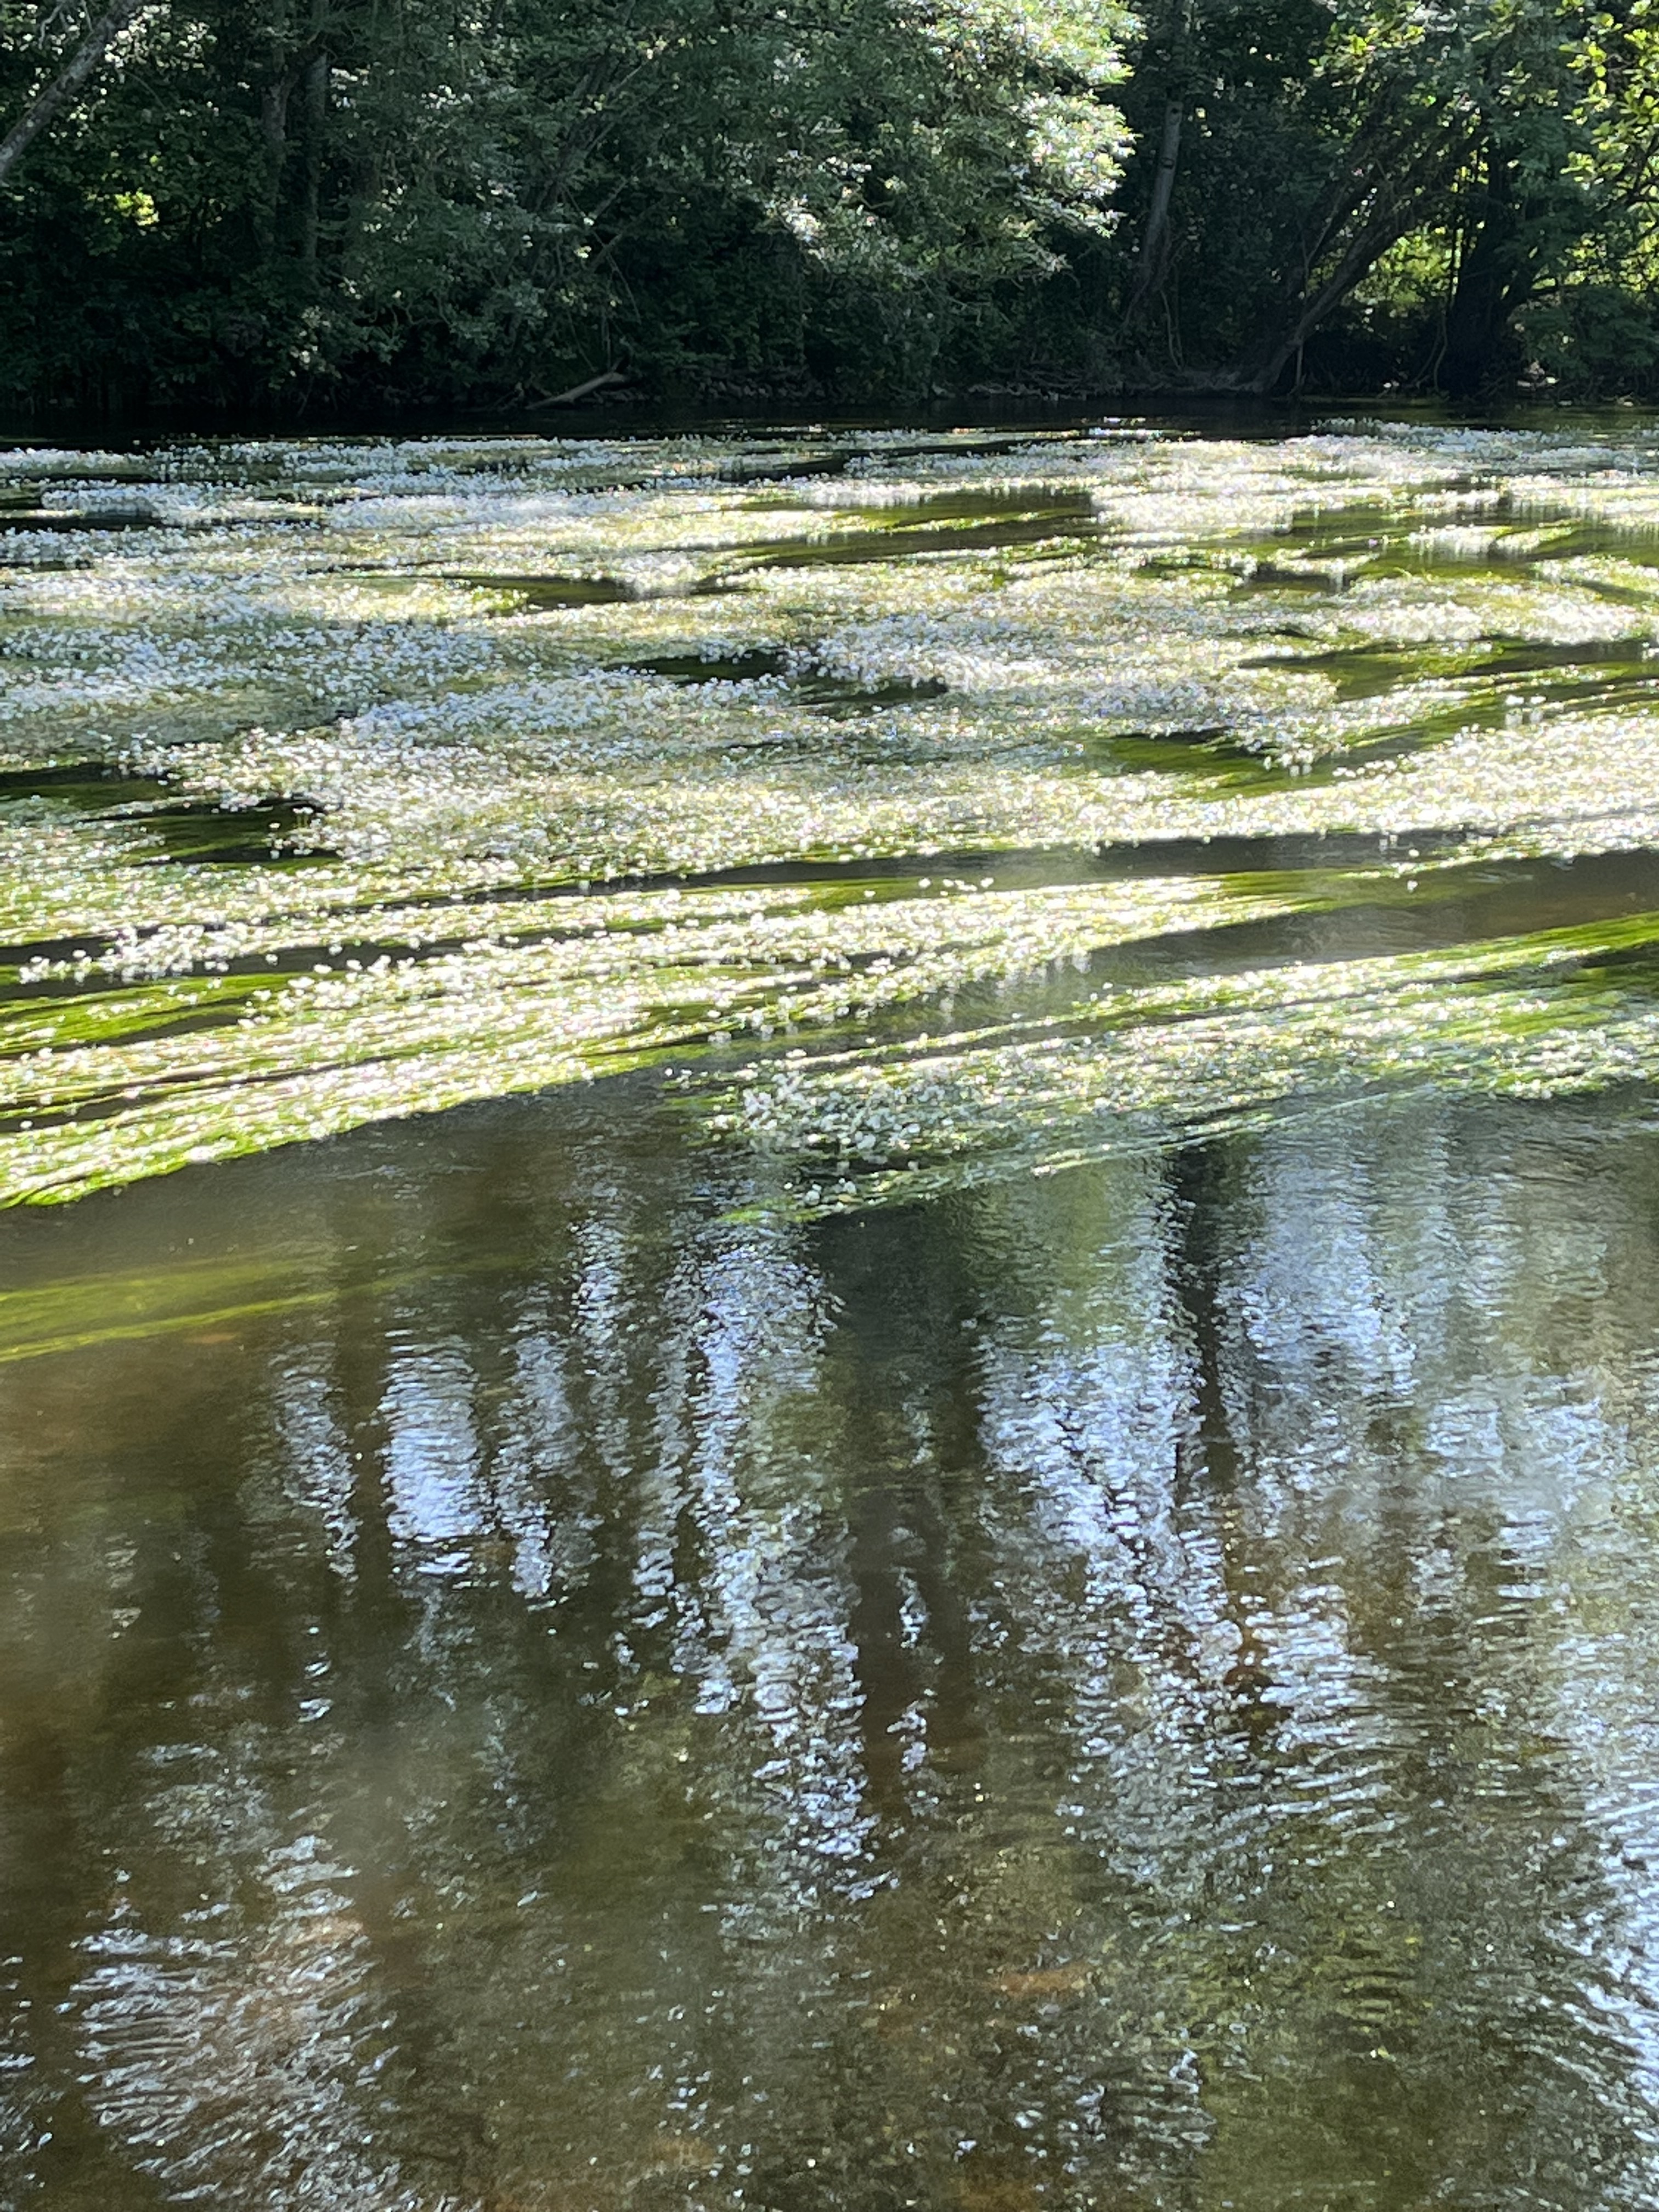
460	754
528	1679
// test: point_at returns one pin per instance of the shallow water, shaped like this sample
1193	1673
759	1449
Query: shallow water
522	1689
346	781
1016	1566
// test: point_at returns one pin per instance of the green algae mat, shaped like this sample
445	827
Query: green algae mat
928	806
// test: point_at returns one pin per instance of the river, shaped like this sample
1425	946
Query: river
829	1355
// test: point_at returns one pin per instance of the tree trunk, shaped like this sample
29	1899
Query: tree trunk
1493	281
273	129
1397	205
1261	370
315	84
64	86
1153	263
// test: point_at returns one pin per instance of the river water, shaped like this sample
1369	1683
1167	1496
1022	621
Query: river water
829	1358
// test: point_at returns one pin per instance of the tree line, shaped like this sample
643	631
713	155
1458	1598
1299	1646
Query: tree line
277	208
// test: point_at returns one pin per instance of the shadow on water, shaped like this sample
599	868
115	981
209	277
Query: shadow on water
58	521
1365	672
811	687
1462	905
1473	905
945	523
181	830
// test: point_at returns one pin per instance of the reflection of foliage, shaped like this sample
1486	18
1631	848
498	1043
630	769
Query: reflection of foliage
1144	1679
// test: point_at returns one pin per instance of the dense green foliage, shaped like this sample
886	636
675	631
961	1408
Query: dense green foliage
289	205
1439	195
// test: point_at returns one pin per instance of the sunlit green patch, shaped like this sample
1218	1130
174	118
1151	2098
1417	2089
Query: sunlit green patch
39	1023
368	782
1555	1010
185	1299
69	1316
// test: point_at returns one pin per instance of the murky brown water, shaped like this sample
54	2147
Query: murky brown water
1132	1690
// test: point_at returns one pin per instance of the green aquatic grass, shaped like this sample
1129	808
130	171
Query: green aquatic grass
1534	1015
627	979
417	788
178	1301
190	1298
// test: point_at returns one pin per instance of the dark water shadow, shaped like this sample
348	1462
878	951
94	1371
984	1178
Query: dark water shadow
187	830
59	521
86	786
824	694
1365	672
1480	903
1007	522
550	592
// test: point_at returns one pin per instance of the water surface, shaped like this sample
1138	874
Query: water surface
853	1400
342	782
1131	1689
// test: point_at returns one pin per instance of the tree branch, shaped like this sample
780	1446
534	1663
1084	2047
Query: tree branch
578	391
64	86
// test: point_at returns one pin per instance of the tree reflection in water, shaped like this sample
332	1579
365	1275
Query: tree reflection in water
1130	1690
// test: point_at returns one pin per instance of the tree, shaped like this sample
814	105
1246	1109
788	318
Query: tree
1229	153
70	80
301	196
293	205
1471	122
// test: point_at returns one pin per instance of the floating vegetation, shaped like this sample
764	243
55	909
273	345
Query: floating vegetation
340	782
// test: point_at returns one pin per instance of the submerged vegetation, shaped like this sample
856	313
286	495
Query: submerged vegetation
924	803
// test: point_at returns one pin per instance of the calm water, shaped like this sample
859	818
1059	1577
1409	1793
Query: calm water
1135	1690
1018	1566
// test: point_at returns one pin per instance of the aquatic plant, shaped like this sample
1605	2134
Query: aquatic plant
343	782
